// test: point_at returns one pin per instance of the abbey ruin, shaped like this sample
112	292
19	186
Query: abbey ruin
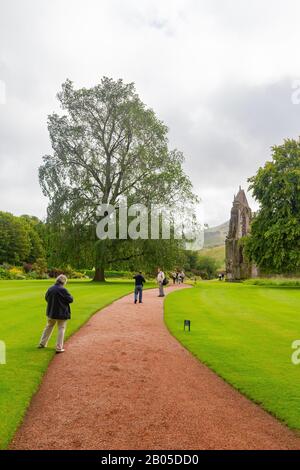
237	267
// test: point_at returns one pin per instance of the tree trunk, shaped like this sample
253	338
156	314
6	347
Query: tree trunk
100	261
99	275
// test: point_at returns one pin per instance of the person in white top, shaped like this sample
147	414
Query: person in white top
160	280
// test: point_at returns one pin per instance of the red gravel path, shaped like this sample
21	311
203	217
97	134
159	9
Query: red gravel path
126	383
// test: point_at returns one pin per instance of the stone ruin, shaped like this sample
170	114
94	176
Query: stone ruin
237	267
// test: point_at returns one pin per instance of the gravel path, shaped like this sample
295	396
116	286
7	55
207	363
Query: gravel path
126	383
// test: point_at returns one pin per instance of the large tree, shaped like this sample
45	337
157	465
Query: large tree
108	145
274	243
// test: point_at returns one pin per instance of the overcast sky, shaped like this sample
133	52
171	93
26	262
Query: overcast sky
219	73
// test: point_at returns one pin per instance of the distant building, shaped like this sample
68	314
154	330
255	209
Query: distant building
237	268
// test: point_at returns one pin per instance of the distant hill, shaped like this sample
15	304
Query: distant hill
215	236
217	253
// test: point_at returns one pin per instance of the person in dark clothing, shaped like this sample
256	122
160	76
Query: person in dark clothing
58	311
138	290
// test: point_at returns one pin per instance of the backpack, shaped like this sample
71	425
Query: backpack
165	282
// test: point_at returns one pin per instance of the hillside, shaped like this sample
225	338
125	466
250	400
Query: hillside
216	252
214	243
215	236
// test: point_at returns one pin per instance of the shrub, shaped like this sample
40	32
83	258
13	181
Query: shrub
207	267
27	267
17	273
90	273
6	266
54	272
32	275
4	273
67	271
40	267
72	274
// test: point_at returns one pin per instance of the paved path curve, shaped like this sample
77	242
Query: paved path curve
126	383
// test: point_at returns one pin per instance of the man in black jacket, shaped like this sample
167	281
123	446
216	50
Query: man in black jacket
138	290
58	311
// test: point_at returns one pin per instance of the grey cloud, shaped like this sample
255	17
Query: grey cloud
173	50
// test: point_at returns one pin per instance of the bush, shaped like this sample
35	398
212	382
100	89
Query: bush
40	267
207	267
27	267
32	275
67	271
4	273
54	272
126	274
89	273
16	273
72	274
76	275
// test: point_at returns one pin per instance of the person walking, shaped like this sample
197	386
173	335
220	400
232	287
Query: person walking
138	290
58	311
174	277
160	279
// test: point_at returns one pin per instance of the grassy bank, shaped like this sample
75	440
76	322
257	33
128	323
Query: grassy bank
244	333
22	312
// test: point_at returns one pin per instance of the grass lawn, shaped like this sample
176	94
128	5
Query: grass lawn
22	318
244	333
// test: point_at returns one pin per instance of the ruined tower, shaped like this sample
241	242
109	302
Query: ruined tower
237	267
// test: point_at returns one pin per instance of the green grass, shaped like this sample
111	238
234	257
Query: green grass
22	319
244	333
274	281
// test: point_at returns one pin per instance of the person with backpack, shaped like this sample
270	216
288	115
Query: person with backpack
161	281
138	290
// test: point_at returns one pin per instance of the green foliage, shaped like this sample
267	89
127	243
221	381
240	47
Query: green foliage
274	244
191	260
20	240
107	145
4	273
206	267
217	253
40	268
69	244
36	232
14	240
16	273
71	273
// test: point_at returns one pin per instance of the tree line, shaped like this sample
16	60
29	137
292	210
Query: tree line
23	239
